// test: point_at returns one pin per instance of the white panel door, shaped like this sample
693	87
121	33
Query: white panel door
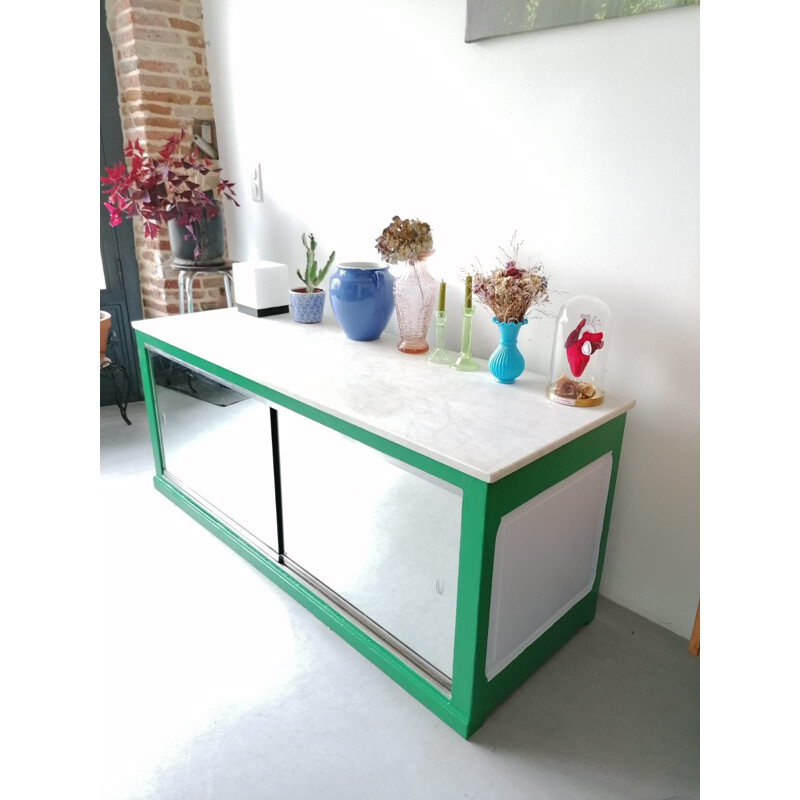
545	560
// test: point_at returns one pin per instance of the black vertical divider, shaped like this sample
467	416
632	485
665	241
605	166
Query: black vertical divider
276	471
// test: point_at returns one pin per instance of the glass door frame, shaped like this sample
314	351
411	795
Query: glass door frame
424	668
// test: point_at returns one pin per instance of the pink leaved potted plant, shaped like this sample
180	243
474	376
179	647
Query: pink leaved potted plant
177	188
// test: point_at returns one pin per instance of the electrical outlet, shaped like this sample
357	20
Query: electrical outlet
256	189
206	130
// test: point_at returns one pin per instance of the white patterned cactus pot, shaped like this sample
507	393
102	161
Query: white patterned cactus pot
307	307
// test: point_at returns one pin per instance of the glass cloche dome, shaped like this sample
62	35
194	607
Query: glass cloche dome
580	351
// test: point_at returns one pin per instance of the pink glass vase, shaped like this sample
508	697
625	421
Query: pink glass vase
414	293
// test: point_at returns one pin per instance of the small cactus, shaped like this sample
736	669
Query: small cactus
313	277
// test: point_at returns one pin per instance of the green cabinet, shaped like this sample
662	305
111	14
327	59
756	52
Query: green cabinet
457	587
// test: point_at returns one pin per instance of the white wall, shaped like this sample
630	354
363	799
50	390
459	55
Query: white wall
583	139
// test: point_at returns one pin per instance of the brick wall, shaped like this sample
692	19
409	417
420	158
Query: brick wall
160	61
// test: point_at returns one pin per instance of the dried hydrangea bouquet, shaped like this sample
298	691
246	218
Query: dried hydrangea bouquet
512	293
410	242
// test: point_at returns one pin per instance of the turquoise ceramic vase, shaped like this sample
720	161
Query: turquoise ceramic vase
507	363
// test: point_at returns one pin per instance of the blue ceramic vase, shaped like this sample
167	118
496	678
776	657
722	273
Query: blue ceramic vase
507	363
362	299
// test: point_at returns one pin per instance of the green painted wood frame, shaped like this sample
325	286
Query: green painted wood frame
472	696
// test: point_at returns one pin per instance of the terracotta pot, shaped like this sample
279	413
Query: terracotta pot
105	329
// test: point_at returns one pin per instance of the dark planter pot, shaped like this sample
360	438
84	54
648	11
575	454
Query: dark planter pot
210	238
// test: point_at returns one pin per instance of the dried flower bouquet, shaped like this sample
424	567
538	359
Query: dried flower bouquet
573	390
405	240
511	292
410	241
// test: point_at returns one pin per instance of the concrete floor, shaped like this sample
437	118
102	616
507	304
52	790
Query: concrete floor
216	685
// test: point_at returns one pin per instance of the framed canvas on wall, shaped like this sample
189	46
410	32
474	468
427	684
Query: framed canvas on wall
487	18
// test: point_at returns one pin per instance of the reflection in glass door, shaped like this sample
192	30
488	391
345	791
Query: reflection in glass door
382	535
216	443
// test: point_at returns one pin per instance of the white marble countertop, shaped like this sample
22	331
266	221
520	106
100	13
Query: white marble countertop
463	419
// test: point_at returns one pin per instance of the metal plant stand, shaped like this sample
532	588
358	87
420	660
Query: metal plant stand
186	277
120	380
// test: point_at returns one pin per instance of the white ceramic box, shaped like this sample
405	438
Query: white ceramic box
262	287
